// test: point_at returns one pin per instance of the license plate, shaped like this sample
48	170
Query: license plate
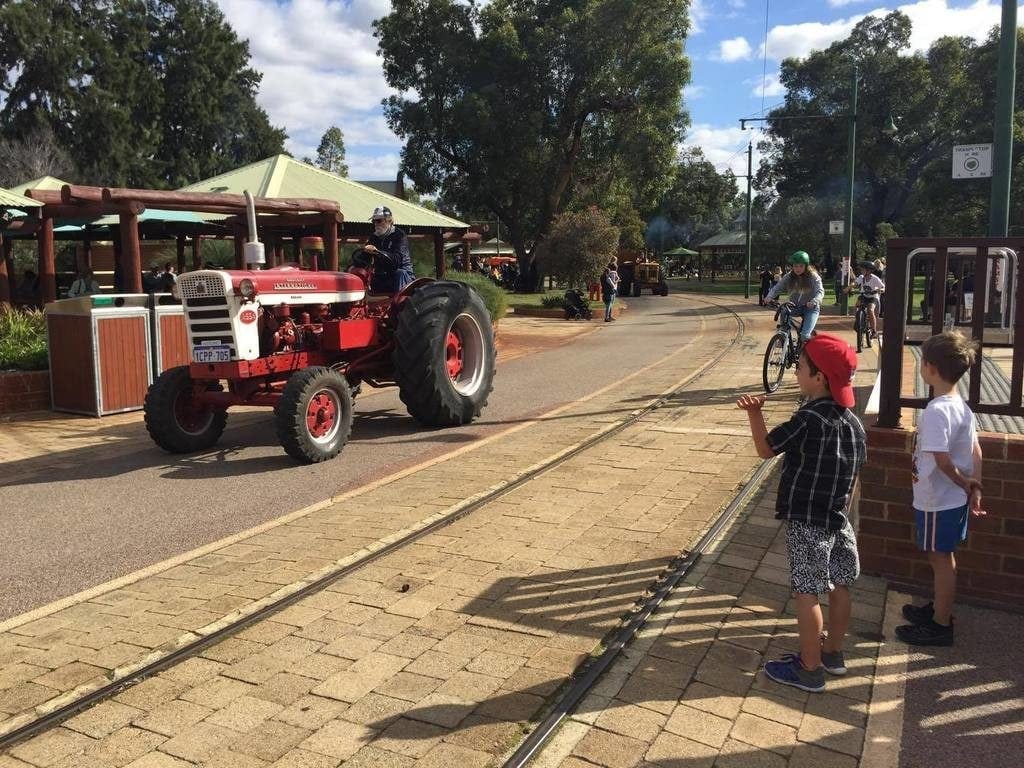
211	354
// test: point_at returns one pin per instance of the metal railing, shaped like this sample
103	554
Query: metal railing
986	252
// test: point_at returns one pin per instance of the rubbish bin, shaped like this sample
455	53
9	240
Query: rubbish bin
99	349
171	336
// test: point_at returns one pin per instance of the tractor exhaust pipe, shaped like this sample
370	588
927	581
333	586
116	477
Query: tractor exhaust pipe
254	254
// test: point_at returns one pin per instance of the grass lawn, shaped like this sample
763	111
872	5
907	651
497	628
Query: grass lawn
533	299
733	287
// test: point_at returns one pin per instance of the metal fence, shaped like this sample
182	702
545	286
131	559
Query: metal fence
996	309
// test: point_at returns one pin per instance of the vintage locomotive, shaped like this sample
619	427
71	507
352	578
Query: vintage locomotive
305	341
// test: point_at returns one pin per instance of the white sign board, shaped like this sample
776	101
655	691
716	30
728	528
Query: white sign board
835	227
972	161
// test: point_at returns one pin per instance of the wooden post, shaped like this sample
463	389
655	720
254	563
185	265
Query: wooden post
197	251
331	241
6	273
278	252
119	281
465	256
131	252
87	254
439	266
47	262
239	251
181	253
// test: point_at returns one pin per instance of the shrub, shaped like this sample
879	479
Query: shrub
580	245
22	340
552	302
495	298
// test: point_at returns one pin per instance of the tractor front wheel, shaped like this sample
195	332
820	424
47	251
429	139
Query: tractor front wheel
175	421
444	354
314	415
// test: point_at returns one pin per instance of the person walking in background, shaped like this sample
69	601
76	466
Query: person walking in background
805	291
946	479
85	285
766	283
609	287
824	447
168	278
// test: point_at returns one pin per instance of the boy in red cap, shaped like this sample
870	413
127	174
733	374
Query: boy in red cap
824	448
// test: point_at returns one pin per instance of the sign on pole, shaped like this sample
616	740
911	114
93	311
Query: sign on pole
835	227
972	161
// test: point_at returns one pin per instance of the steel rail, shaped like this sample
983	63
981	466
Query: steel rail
67	711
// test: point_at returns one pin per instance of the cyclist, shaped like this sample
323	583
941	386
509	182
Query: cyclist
805	291
870	288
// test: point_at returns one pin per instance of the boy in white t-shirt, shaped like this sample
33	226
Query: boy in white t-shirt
869	288
947	483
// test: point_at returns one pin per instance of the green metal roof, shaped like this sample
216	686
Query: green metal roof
155	214
49	183
725	239
283	176
12	200
680	251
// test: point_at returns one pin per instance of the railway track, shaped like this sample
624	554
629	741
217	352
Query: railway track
582	681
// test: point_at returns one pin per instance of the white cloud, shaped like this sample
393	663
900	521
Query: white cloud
691	92
734	49
321	68
372	167
772	86
724	146
842	3
931	20
699	12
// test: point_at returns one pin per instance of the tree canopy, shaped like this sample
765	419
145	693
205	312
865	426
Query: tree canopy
938	98
579	246
150	93
522	106
330	155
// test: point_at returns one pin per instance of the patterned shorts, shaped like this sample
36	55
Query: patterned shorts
821	560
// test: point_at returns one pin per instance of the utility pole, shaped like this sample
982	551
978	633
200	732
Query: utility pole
750	165
1002	153
851	164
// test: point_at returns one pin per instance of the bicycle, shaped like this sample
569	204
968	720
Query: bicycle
783	348
860	320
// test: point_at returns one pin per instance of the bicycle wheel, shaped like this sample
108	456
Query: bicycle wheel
775	359
858	326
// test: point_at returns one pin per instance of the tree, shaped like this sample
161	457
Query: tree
155	93
579	246
700	203
31	156
939	98
505	105
330	155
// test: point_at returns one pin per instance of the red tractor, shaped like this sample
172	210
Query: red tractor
304	341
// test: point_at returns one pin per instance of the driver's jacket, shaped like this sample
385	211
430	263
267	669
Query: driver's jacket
799	296
392	267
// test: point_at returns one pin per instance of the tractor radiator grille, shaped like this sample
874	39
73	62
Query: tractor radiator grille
209	321
200	286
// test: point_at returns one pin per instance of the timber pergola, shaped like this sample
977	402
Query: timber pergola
92	204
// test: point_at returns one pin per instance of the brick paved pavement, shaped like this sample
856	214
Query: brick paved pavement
438	652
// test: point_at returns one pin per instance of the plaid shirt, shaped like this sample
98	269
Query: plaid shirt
824	449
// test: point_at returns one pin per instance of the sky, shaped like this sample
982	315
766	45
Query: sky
320	64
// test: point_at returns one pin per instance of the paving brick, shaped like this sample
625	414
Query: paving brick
217	692
610	749
103	719
158	760
125	745
485	734
51	747
737	754
698	725
198	742
811	756
301	758
763	733
669	749
173	717
339	739
830	734
448	755
411	738
270	740
362	677
244	713
311	712
631	720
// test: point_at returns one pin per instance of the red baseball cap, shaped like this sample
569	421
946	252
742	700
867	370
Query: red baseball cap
838	362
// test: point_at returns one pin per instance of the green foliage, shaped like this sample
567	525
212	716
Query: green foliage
580	245
522	107
939	98
495	298
330	155
22	340
553	302
147	94
700	203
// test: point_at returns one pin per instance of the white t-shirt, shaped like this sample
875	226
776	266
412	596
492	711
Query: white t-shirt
945	426
869	286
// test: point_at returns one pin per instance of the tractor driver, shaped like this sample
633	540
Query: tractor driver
389	247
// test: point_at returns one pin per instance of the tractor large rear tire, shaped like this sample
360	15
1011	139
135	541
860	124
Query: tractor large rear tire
174	421
314	415
444	354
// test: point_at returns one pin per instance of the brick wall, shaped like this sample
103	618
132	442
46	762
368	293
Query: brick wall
24	391
990	562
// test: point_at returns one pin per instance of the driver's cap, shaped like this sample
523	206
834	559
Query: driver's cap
381	212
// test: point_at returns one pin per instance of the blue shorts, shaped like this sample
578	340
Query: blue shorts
941	531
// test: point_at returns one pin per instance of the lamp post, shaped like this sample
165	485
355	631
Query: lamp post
1002	159
750	160
851	159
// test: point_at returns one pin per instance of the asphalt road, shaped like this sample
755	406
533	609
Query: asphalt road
98	518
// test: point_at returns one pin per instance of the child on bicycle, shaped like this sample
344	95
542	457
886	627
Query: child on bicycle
805	291
824	447
870	288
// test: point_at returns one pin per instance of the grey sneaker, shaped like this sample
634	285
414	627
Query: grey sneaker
789	671
834	663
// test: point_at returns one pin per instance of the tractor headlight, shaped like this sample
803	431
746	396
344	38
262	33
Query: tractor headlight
247	289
